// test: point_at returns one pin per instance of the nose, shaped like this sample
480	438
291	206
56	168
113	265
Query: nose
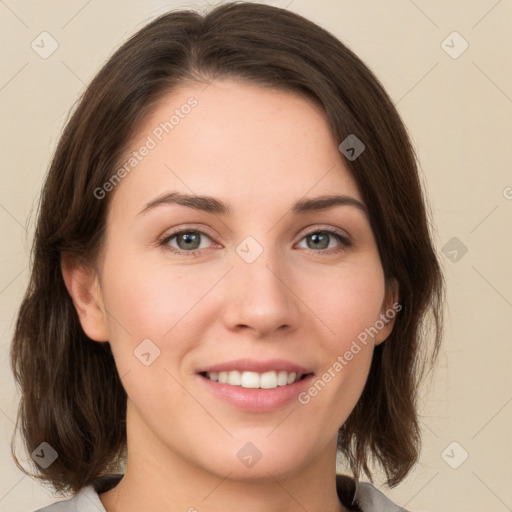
259	297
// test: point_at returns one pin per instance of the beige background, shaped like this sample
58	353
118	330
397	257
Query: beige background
459	114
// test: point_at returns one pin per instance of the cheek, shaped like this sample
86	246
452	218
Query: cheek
349	307
150	300
165	304
348	302
146	310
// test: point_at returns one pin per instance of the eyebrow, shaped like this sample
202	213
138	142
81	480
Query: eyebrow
211	205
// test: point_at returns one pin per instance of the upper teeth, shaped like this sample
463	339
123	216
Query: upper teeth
267	380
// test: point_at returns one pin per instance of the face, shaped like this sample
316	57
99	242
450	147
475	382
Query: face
241	329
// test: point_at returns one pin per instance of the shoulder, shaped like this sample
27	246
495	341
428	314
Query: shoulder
364	496
361	497
370	499
87	500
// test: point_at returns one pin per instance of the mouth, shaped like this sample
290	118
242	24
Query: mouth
254	380
256	386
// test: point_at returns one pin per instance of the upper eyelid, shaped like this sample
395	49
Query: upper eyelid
338	231
186	229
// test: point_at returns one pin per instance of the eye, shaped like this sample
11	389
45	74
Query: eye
188	242
320	240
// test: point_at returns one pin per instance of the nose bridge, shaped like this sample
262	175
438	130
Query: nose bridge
259	296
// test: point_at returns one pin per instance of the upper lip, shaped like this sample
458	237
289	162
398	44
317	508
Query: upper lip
251	365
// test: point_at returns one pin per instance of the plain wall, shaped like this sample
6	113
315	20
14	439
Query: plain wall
459	115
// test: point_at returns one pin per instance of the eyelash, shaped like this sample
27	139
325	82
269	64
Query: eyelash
344	241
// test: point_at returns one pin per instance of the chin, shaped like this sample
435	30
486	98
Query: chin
257	461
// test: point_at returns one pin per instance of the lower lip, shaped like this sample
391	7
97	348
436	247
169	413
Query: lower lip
257	400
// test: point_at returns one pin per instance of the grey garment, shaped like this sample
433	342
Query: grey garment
87	500
370	499
367	498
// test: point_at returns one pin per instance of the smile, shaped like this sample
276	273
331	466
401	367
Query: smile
256	386
254	380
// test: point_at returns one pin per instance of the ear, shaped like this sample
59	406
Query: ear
390	309
83	286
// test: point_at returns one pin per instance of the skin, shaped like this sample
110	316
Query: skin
259	150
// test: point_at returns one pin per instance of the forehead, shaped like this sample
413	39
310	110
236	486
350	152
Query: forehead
243	143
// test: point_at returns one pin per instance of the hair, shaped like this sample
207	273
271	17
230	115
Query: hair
71	393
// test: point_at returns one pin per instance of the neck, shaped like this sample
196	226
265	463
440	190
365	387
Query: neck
157	478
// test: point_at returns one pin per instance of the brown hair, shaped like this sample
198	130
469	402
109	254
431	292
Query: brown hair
72	397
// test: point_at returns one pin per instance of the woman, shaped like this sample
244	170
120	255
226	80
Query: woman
232	273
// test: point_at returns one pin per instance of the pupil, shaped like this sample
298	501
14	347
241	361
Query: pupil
318	238
189	238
